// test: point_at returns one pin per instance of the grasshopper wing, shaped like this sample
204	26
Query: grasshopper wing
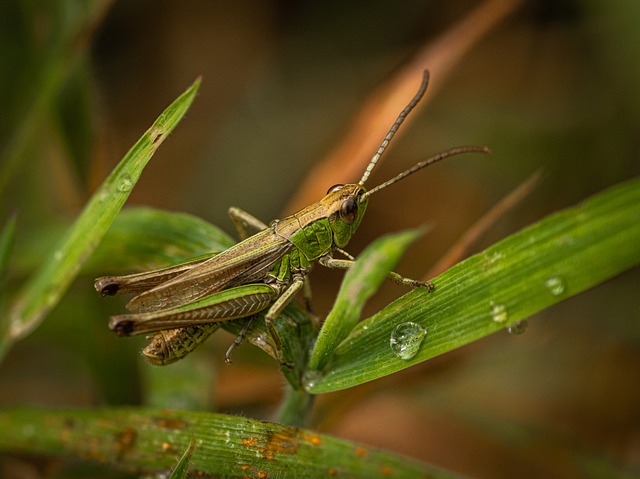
248	261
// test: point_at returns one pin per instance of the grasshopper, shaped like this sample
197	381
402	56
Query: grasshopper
184	304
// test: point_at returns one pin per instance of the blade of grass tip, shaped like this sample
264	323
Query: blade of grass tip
557	258
47	285
361	281
181	471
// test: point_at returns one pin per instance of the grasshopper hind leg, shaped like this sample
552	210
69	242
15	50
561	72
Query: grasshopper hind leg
243	221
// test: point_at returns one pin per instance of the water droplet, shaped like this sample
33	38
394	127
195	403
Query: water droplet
556	285
125	183
310	378
406	339
518	327
499	312
495	257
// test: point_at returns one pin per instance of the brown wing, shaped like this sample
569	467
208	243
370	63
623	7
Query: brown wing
248	261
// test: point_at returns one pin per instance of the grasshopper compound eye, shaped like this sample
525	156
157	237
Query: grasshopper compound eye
349	211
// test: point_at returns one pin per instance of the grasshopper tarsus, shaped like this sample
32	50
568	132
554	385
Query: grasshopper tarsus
412	283
427	284
237	342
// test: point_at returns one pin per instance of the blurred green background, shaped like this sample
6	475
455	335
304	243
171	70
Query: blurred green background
553	87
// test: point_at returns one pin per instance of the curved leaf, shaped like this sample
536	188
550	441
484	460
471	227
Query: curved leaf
45	288
147	238
360	283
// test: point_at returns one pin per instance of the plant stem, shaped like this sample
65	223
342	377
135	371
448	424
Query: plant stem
295	407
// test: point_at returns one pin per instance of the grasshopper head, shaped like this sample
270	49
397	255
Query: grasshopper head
345	206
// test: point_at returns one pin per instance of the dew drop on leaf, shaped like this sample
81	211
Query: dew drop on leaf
556	285
499	312
518	327
125	183
310	378
406	339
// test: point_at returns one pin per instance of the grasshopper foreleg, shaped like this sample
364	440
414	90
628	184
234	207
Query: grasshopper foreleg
330	262
243	221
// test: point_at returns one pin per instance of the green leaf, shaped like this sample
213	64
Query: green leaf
48	284
152	440
139	239
555	259
46	65
146	238
360	283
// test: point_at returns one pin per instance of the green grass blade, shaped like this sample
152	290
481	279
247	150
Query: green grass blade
550	261
139	239
360	283
48	284
64	48
152	441
146	238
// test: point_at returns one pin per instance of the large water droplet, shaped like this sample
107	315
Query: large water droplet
125	183
406	339
518	327
556	285
499	312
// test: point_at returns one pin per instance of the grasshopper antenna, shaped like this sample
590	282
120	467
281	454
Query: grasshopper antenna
424	163
396	124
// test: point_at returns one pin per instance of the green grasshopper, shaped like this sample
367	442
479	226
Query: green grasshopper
184	304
